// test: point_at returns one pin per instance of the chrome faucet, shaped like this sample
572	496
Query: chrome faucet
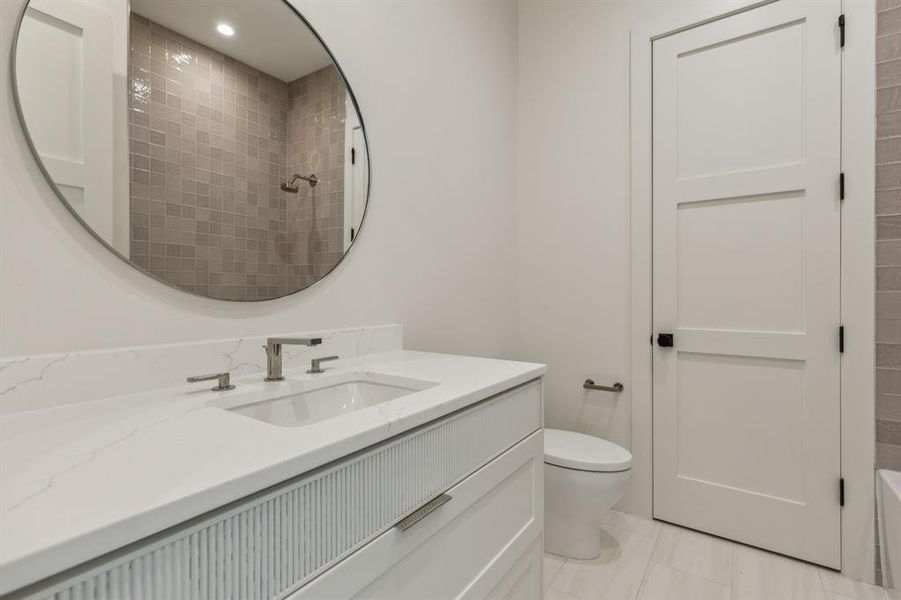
274	354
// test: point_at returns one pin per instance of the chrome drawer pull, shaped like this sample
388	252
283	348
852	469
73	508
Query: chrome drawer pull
422	512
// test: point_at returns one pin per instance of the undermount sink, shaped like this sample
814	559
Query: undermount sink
304	402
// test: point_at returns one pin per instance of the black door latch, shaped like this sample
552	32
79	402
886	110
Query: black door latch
665	340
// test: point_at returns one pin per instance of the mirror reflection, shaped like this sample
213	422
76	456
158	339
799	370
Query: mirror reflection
213	144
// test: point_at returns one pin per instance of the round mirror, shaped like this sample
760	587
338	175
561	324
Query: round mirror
213	144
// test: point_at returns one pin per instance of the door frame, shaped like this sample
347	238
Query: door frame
857	266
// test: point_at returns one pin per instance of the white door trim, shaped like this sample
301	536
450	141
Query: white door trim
858	266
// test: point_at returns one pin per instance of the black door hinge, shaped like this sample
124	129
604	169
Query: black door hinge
841	186
841	338
841	30
353	233
841	491
353	156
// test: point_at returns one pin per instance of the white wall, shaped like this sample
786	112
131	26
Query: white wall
573	190
573	213
437	252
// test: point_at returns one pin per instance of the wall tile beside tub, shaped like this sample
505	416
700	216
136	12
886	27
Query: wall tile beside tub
888	235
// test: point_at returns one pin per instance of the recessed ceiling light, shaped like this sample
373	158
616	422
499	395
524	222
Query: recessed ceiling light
225	29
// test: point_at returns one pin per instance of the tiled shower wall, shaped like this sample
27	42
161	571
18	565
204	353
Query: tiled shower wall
209	150
316	116
888	234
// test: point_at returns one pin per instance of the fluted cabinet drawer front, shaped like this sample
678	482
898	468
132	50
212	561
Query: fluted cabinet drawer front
464	549
269	545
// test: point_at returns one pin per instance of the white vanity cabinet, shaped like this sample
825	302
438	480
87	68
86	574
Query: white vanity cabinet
333	533
463	549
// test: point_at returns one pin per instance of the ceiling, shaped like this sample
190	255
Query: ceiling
268	35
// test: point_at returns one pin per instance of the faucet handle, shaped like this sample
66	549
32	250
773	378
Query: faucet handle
224	381
314	364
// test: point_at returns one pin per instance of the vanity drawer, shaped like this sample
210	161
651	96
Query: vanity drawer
268	545
475	545
523	581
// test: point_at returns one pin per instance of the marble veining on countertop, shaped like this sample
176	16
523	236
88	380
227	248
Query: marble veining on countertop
80	480
48	380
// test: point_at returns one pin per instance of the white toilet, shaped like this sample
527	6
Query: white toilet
584	476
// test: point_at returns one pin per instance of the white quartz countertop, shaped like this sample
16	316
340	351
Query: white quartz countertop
81	480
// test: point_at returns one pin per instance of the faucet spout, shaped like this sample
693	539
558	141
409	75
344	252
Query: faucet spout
274	354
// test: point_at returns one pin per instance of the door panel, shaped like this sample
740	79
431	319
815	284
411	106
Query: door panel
711	284
718	73
73	136
746	275
746	400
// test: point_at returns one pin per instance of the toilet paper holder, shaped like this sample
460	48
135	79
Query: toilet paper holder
591	385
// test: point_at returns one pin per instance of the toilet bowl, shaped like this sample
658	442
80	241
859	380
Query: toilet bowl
584	476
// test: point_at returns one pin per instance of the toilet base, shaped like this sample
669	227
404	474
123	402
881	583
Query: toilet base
566	537
576	503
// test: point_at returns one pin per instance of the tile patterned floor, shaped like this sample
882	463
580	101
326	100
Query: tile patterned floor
649	560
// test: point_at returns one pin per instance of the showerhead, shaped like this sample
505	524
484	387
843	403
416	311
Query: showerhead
291	186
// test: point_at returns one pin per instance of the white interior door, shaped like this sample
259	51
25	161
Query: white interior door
64	76
746	159
360	179
356	174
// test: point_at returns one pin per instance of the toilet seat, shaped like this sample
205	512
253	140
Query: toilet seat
572	450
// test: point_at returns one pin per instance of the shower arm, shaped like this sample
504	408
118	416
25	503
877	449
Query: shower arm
311	179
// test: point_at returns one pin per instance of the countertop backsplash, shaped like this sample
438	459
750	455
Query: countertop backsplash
48	380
